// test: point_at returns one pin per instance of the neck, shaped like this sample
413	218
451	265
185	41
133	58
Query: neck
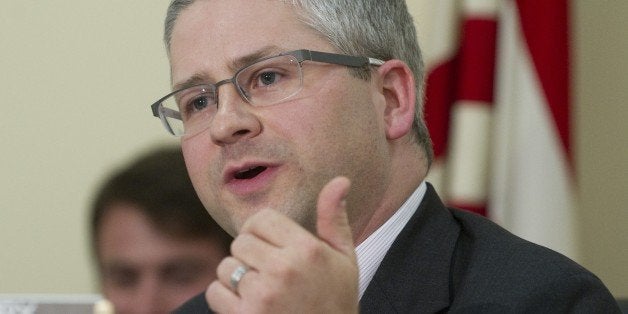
408	170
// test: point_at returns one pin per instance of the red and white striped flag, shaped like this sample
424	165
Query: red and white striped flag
497	106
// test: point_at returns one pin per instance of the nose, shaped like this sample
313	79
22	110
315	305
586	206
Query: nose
234	120
149	297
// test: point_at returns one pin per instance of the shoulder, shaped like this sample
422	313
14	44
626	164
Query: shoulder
499	249
518	274
486	249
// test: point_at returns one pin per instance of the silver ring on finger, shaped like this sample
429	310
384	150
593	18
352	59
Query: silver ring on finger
237	275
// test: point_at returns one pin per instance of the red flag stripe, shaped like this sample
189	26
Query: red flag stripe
545	26
468	75
477	60
439	97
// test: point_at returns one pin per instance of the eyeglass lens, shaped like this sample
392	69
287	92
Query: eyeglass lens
263	83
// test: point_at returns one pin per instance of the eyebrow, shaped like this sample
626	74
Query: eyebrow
236	64
195	79
258	54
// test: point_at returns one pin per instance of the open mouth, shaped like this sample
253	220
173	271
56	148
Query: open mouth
249	173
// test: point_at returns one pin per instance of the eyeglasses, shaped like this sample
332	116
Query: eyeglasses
268	81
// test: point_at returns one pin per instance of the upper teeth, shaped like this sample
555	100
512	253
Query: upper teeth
249	169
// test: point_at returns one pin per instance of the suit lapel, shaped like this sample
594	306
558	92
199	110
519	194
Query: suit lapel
414	275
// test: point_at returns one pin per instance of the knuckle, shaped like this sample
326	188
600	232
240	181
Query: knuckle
285	274
268	297
313	251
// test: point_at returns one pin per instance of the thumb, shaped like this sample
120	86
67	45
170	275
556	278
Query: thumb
332	223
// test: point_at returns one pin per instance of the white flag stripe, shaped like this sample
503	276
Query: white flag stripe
531	191
436	176
481	8
436	17
468	153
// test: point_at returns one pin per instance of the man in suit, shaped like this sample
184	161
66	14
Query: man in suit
301	125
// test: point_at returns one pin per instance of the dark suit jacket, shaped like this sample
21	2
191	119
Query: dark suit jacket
448	260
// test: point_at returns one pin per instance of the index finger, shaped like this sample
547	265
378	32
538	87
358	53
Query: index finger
274	227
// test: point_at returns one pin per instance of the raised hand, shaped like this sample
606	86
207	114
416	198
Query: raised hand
290	270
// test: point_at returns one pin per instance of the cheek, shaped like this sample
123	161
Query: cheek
328	113
352	118
338	129
196	158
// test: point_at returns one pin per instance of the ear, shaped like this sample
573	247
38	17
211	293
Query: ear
400	96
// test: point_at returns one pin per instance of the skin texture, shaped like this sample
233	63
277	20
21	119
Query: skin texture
144	271
295	226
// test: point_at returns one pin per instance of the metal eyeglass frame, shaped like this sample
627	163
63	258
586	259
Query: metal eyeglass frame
301	55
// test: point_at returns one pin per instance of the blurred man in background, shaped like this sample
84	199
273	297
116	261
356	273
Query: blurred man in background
154	243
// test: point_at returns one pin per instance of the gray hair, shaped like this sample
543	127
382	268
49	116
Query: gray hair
385	31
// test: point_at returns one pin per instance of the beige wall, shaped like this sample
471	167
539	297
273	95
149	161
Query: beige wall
601	92
76	82
77	77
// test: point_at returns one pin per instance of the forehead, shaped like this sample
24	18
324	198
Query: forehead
210	36
127	234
